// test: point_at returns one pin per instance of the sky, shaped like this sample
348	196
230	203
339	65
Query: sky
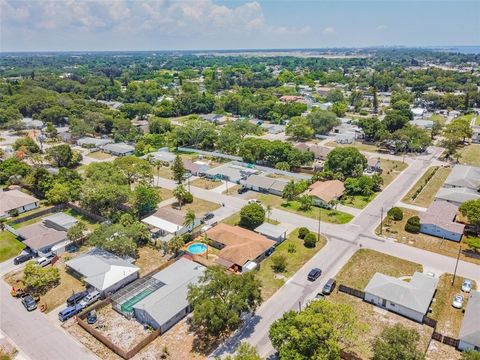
111	25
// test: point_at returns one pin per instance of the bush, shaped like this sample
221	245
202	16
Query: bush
188	198
302	232
395	213
252	216
292	248
413	225
310	240
279	263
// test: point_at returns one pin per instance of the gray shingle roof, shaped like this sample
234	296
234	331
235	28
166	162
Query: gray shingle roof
415	295
458	195
119	148
464	176
60	219
470	329
270	230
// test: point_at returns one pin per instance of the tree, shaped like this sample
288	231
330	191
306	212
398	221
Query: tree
134	169
102	198
471	209
245	351
339	108
252	216
397	342
299	128
473	243
190	218
320	331
76	232
27	145
394	120
219	300
12	168
322	121
39	280
178	169
58	194
348	161
145	199
118	239
289	191
175	244
268	211
279	263
63	156
182	195
159	126
310	240
470	355
395	213
51	130
363	185
413	225
306	202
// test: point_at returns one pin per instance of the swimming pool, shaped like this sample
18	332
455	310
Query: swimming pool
197	248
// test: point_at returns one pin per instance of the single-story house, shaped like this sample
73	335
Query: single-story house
463	176
16	200
196	168
265	184
374	164
90	142
213	118
411	299
167	222
164	156
41	239
241	250
439	221
325	191
457	196
419	112
273	232
60	221
167	305
29	123
230	172
320	151
273	128
119	149
476	134
103	270
470	329
421	123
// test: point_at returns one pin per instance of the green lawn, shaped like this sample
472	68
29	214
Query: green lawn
470	155
427	194
390	170
271	282
99	155
9	246
234	219
357	201
359	145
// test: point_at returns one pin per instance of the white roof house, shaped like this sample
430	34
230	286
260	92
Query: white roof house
274	232
457	196
16	200
164	156
470	329
103	270
464	176
119	149
93	142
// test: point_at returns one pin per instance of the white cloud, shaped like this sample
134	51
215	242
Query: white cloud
328	30
381	27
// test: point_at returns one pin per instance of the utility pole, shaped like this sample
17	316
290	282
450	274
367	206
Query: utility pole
319	223
456	264
226	186
381	223
299	306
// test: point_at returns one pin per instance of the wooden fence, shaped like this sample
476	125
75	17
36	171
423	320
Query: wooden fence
36	214
429	322
447	340
125	354
351	291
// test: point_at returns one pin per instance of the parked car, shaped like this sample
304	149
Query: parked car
44	261
68	312
29	302
208	216
319	296
76	298
242	190
314	274
92	317
90	299
467	285
458	301
22	258
254	201
329	286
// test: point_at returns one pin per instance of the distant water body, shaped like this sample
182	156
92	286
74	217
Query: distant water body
460	49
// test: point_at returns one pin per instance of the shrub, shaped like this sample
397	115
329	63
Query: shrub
302	232
252	216
310	240
38	279
413	225
395	213
292	248
188	198
279	263
14	212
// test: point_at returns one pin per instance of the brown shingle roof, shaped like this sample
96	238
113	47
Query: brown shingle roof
39	236
241	245
14	199
327	190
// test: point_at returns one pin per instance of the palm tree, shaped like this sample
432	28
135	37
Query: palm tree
268	210
189	221
180	193
175	244
306	202
158	165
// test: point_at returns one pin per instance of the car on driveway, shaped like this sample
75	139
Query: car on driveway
76	298
90	299
242	190
314	274
22	258
29	302
68	312
45	260
457	302
208	216
329	286
467	285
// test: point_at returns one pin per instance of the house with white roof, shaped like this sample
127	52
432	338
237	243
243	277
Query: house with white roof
470	329
16	200
463	176
167	222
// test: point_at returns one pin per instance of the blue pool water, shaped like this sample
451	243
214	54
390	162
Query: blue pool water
197	248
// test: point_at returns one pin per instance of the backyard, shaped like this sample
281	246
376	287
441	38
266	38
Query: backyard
470	155
271	281
396	230
149	259
423	192
357	273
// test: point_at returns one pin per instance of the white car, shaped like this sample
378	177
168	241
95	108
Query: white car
467	285
44	261
89	299
457	302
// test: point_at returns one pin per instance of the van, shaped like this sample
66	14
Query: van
68	312
329	286
89	299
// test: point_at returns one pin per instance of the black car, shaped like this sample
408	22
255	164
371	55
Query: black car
29	302
208	216
75	298
242	190
329	286
92	317
22	258
314	274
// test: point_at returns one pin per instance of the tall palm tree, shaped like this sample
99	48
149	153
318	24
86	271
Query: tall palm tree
158	165
268	210
189	221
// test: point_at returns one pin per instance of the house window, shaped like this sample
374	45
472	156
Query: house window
392	304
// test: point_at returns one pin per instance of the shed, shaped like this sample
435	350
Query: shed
274	232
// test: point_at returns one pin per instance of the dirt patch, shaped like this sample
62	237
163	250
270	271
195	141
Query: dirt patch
437	350
149	259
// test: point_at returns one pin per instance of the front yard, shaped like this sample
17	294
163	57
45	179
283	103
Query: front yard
390	170
427	186
470	155
205	183
99	155
271	281
357	273
234	219
396	230
358	144
199	206
9	245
